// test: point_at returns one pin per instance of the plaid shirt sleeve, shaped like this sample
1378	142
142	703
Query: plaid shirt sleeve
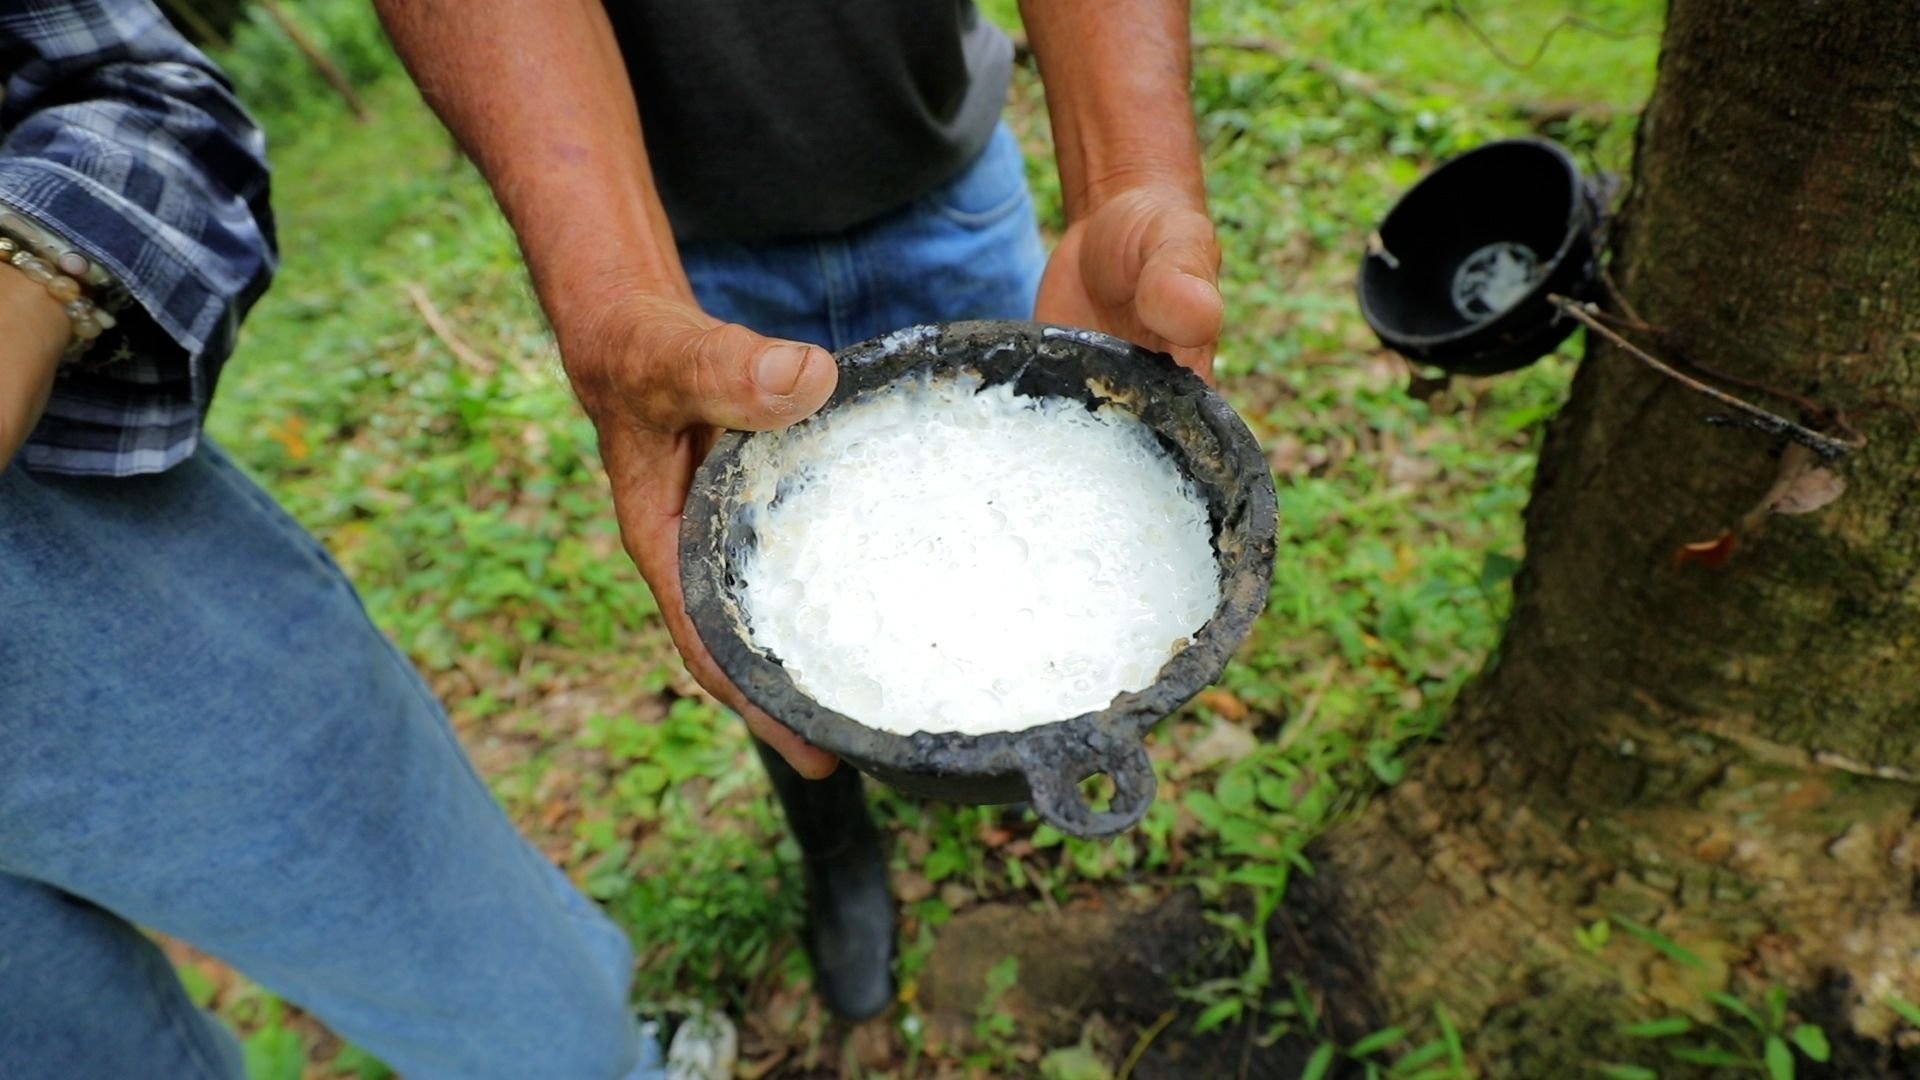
126	142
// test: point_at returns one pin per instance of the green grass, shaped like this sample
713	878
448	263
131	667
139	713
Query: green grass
466	501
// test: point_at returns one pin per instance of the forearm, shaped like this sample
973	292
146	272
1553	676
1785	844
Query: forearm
1116	75
37	329
538	94
37	332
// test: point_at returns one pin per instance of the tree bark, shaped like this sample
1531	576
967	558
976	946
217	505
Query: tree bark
1728	755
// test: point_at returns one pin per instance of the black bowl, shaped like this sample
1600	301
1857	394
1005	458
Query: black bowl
1459	272
1045	764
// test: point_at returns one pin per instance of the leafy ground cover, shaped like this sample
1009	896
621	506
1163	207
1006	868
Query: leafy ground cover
398	391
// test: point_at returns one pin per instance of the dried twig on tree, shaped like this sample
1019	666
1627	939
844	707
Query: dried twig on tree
1826	446
1826	416
1620	301
1804	483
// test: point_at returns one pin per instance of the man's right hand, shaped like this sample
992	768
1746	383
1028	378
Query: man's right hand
661	379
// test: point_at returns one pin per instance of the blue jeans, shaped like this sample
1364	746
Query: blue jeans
201	733
968	250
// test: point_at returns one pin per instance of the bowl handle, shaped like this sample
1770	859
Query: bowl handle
1055	765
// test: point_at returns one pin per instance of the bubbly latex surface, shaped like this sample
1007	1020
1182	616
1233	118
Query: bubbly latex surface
949	559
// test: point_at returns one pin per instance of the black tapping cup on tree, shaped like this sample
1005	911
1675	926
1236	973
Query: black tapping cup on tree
1464	272
1495	258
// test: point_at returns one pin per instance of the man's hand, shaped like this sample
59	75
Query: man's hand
1144	267
1139	258
661	379
37	333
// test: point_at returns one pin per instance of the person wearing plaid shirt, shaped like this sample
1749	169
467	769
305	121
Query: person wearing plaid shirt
200	731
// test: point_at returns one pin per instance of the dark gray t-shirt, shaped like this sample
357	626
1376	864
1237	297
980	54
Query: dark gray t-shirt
773	118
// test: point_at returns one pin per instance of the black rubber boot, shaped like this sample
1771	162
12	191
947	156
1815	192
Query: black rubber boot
850	919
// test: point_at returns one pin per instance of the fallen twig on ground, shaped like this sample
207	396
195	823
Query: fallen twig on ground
442	328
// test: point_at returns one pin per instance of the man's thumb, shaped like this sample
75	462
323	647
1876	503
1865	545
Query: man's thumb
1177	296
738	379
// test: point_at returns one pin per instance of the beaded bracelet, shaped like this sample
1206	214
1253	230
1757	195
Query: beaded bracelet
65	274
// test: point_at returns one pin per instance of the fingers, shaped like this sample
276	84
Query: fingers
1183	309
660	365
1144	267
807	759
1176	297
730	377
648	486
660	377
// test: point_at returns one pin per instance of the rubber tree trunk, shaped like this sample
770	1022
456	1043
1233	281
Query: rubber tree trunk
1726	755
